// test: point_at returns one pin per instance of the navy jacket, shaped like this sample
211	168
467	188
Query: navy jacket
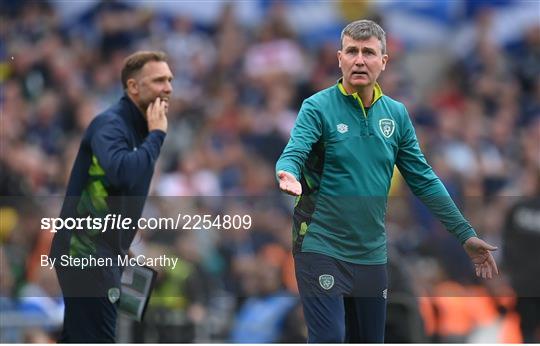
111	175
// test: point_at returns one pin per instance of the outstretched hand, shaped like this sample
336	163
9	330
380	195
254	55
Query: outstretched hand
289	184
480	254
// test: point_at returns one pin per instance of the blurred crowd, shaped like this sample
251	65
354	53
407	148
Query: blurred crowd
237	90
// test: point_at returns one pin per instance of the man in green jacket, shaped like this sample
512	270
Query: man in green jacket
339	163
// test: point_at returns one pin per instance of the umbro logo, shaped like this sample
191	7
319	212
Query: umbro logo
342	128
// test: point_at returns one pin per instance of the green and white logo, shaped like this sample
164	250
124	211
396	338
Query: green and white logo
326	281
387	127
114	294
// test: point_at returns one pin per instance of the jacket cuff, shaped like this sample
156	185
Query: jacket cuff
159	135
463	236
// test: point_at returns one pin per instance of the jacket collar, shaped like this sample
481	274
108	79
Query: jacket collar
377	92
133	115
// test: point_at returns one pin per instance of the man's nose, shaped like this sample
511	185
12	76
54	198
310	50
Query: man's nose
359	61
168	88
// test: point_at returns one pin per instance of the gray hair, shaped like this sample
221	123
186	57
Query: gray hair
364	29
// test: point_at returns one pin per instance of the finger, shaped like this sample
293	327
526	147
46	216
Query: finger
162	106
292	189
159	107
477	270
285	188
493	264
488	270
290	192
149	109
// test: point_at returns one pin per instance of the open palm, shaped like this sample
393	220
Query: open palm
289	184
480	254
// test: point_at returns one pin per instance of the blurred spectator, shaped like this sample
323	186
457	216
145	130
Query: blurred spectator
178	305
193	54
404	323
276	54
262	317
521	237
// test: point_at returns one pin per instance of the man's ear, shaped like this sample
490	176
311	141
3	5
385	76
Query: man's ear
384	61
339	58
132	87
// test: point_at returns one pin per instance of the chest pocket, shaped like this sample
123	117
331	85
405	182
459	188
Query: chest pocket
341	147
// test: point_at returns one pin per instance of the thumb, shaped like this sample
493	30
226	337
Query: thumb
487	246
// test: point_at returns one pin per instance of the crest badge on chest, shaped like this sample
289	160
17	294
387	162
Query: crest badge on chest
387	127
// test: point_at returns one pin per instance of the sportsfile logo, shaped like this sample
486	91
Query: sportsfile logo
118	222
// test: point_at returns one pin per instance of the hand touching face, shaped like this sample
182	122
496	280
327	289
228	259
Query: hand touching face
156	115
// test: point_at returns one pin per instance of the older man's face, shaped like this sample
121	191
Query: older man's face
361	62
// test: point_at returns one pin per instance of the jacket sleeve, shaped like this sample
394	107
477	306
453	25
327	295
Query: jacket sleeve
427	186
306	132
123	166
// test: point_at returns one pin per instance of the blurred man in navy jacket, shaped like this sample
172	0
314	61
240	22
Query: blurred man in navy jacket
111	176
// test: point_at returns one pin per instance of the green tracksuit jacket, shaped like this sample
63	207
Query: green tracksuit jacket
344	157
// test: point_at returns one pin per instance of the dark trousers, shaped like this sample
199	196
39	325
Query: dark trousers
90	306
88	320
343	302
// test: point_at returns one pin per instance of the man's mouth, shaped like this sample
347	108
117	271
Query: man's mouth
359	73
